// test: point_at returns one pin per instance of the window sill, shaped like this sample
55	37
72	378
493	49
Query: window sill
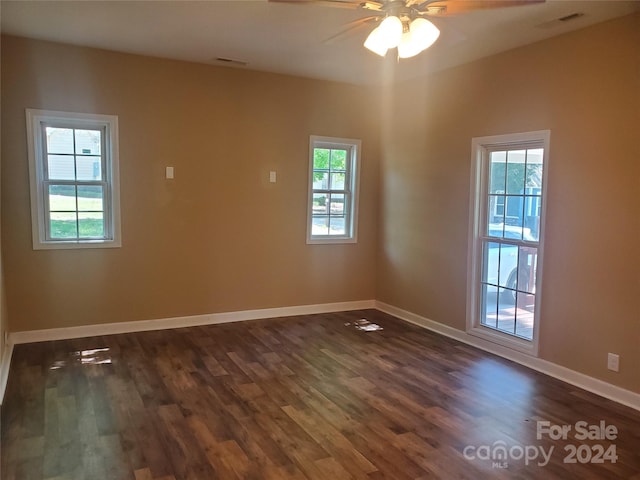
330	240
529	347
77	245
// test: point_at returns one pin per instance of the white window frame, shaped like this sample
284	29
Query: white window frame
351	191
480	149
37	120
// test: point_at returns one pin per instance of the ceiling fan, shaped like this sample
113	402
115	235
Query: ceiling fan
402	24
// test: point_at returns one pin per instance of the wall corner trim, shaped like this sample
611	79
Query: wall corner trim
4	368
593	385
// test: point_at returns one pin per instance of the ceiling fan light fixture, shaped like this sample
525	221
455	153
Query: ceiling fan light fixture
376	42
408	46
423	33
391	31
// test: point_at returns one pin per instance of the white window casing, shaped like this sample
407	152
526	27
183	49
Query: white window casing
75	193
334	169
506	238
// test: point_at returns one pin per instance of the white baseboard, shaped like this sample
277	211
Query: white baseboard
604	389
593	385
32	336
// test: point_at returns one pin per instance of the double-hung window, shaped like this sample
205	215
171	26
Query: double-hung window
73	167
506	241
333	190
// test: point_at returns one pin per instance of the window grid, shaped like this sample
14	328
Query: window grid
336	200
90	223
515	248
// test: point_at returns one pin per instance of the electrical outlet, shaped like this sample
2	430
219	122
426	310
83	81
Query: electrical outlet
613	362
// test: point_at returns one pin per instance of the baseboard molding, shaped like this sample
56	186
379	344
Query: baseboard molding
32	336
599	387
593	385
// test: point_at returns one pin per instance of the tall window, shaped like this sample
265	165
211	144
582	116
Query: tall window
73	162
508	175
333	190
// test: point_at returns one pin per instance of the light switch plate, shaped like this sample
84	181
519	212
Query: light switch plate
169	172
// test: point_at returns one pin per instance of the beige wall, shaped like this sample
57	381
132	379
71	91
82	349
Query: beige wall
585	88
219	237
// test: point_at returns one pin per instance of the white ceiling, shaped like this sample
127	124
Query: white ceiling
287	38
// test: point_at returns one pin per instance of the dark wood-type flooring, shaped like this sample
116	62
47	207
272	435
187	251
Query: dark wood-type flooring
306	397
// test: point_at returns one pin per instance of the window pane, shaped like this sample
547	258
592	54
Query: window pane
527	266
515	171
63	225
91	225
321	159
320	226
532	209
338	159
513	217
337	181
320	181
489	312
89	168
59	140
508	265
524	311
534	170
337	204
320	204
90	198
506	311
491	262
497	170
60	167
88	142
495	213
62	198
337	226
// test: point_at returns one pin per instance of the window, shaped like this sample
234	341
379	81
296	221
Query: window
333	190
505	248
73	167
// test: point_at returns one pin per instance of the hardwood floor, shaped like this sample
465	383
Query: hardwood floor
310	397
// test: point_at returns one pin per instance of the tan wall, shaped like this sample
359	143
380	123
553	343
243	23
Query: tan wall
219	237
188	247
585	88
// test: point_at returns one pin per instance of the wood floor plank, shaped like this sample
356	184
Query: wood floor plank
297	398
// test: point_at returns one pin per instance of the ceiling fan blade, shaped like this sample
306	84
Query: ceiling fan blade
455	7
352	26
328	3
